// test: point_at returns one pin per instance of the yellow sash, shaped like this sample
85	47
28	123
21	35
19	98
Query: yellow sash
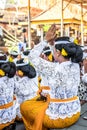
6	105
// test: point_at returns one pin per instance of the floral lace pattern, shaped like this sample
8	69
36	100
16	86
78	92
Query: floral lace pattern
7	115
25	89
6	96
62	110
63	80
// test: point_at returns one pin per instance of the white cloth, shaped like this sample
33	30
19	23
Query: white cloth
63	80
25	89
6	96
20	46
84	55
51	47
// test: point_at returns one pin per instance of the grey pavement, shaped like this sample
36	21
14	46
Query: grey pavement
20	126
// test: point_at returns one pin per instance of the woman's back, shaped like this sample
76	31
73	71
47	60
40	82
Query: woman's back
65	80
6	97
63	91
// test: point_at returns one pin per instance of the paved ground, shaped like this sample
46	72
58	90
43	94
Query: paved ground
20	126
80	125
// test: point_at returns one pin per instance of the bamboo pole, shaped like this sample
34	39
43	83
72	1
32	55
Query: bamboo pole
82	32
29	26
61	17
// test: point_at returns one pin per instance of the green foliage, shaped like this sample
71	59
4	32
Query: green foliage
46	27
11	1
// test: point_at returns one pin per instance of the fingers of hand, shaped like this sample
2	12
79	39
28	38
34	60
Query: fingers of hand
53	27
51	34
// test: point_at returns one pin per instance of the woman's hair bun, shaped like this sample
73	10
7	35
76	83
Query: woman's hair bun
9	68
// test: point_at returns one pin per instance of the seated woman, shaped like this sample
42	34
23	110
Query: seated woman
84	81
82	91
7	104
62	106
13	56
25	85
47	55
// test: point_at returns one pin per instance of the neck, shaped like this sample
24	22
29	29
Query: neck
62	59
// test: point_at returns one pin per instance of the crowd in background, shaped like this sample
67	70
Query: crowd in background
23	72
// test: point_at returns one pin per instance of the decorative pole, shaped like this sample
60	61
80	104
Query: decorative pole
82	26
61	17
29	26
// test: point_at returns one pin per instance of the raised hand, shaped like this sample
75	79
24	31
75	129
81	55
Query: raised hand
51	34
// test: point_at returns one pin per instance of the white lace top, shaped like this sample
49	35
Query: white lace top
63	80
25	89
6	96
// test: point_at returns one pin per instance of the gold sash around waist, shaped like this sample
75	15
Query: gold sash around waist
64	100
5	106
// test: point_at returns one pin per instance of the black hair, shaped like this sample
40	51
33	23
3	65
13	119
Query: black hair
47	53
26	52
74	51
9	68
27	69
14	55
3	57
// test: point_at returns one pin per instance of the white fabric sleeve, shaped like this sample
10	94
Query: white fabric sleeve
41	65
36	51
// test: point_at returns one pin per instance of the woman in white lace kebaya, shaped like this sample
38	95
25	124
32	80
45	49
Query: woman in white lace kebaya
47	55
82	93
13	56
62	108
7	104
25	85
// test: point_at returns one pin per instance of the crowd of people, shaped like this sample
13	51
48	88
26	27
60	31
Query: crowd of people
44	87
